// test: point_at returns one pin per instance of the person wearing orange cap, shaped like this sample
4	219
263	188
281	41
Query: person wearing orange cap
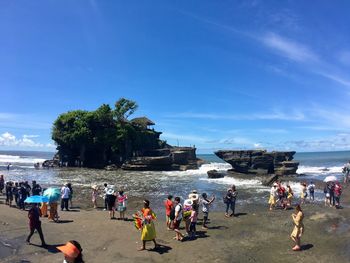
72	252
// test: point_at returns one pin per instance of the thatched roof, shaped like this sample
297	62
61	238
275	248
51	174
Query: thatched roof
142	121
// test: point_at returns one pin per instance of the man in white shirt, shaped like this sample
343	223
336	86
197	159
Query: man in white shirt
65	197
177	220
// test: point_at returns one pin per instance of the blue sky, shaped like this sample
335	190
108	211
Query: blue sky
215	74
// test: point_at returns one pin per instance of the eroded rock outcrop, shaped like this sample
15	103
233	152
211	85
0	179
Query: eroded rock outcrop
172	158
214	174
260	162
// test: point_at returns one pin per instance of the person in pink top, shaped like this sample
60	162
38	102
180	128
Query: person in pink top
121	199
193	218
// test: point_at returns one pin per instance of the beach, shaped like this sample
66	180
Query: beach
255	235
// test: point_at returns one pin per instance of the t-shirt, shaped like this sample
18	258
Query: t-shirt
65	192
178	211
168	206
205	206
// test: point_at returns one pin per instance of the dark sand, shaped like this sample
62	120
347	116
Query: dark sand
256	235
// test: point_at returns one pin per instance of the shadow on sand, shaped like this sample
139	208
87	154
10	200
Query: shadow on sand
306	247
64	221
50	248
161	249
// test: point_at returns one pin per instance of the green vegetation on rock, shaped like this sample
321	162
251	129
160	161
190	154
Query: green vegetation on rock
104	136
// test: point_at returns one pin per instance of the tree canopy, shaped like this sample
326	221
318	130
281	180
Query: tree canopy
101	137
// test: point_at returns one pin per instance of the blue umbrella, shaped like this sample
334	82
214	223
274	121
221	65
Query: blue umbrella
36	199
53	194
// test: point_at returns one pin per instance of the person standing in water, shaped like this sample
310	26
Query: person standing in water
311	190
298	229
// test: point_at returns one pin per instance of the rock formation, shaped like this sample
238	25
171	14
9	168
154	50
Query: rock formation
167	159
214	174
260	162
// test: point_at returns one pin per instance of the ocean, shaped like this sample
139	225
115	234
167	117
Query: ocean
157	185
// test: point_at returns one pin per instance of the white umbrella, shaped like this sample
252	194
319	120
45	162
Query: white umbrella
330	178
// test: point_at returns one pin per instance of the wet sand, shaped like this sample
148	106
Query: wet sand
255	235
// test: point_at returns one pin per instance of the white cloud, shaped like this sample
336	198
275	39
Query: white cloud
288	48
10	140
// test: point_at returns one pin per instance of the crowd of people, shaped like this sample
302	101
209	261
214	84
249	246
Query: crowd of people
177	211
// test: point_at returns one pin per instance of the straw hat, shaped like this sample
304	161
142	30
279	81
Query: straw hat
193	197
69	249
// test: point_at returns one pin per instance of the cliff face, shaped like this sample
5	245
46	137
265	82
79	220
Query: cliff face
260	161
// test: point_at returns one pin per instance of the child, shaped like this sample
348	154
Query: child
205	208
273	195
94	195
168	206
290	196
193	218
122	204
303	193
53	215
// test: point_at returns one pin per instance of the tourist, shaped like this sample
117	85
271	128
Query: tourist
22	195
72	252
27	187
273	196
94	195
194	196
337	194
36	188
43	209
176	216
35	224
2	183
230	200
327	196
303	193
193	219
9	193
64	197
168	206
111	197
187	210
105	196
122	202
289	196
298	230
311	190
53	215
346	171
281	191
16	193
69	185
330	186
148	230
205	208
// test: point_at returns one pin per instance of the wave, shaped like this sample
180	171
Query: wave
319	169
15	159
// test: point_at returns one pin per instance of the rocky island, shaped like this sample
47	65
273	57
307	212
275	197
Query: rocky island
260	162
107	138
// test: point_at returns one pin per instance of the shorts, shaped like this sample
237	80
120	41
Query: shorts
176	224
121	208
167	218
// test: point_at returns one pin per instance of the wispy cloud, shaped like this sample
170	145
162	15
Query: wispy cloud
289	48
275	115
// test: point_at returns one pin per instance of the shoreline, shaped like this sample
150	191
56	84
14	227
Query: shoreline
255	235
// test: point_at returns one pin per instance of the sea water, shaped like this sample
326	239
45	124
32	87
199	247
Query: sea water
157	185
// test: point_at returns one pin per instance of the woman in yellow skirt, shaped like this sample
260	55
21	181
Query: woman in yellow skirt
289	196
298	227
148	231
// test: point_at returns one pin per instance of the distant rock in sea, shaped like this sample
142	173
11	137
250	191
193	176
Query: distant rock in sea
260	162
